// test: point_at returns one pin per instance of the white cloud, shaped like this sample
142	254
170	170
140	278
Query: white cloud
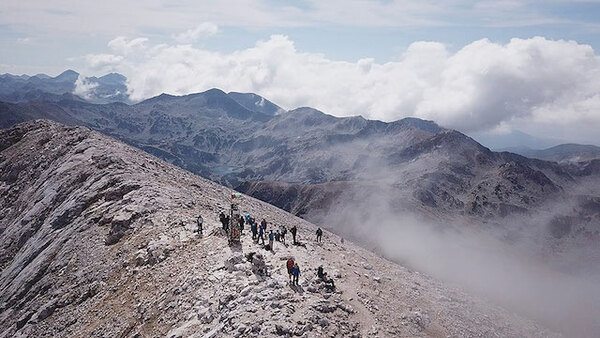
84	88
123	46
201	31
483	86
103	62
24	41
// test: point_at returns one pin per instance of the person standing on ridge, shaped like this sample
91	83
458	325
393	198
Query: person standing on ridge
263	223
199	221
254	230
282	233
222	219
319	234
271	243
293	230
290	267
261	231
242	225
296	273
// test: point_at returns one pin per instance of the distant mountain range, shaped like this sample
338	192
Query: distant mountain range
316	165
561	153
23	88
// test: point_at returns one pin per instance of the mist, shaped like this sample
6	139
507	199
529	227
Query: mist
513	275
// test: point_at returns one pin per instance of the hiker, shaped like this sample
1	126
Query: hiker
199	221
277	236
290	267
226	225
283	231
261	236
222	219
254	230
295	273
271	237
242	225
319	234
293	231
264	224
323	276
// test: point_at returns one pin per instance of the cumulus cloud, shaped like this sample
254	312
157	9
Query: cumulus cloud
201	31
124	46
483	86
102	62
84	88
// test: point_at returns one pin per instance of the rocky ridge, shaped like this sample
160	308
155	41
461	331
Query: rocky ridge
98	241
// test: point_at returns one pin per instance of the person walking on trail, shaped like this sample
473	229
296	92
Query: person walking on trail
277	236
290	267
293	231
241	225
199	221
296	274
261	231
319	234
271	243
226	225
254	230
264	224
282	233
222	219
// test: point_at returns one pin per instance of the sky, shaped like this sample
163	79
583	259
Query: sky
482	67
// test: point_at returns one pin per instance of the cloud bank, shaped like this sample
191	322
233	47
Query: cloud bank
483	86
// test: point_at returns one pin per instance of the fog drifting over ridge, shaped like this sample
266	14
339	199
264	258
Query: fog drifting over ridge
544	87
515	276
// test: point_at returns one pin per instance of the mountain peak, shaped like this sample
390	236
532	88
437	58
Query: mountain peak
256	102
68	75
418	123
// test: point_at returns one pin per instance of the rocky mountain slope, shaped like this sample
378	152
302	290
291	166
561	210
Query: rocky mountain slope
304	160
97	241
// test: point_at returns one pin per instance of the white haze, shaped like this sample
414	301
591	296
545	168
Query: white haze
543	87
513	276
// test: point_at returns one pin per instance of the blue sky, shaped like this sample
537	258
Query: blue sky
477	66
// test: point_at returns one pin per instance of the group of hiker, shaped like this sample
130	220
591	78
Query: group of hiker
294	274
259	232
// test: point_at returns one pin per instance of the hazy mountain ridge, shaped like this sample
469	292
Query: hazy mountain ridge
567	152
105	89
100	251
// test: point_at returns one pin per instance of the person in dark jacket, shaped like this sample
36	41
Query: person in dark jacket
293	230
295	273
242	225
323	276
264	224
282	233
319	234
254	230
223	222
199	221
271	242
261	237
